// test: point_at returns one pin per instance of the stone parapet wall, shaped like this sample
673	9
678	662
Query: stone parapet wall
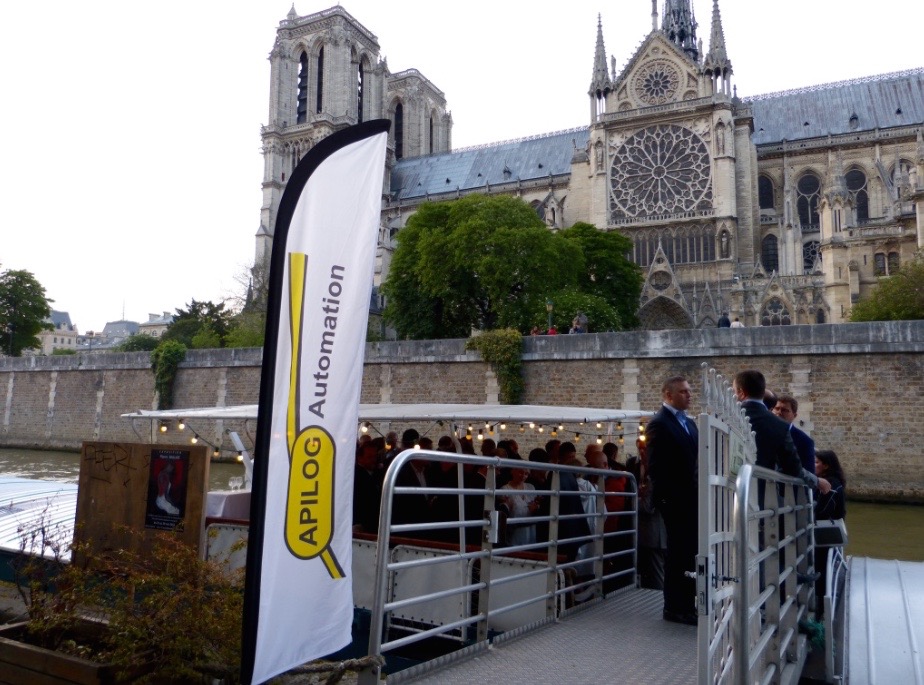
860	386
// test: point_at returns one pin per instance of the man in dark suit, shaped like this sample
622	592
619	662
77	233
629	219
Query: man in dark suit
775	447
673	446
787	408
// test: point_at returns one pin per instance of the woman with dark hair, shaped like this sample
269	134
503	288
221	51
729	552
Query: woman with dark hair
829	506
832	504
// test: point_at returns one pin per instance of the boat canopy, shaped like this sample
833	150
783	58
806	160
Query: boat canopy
405	413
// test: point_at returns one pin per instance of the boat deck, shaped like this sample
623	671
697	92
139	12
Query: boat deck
885	626
622	639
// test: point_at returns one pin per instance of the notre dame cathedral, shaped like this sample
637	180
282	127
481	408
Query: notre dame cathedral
778	209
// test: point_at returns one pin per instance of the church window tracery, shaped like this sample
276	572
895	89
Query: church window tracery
681	245
657	83
808	192
301	113
775	313
810	252
662	170
859	193
770	253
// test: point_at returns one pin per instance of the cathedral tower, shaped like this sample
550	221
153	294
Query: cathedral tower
326	73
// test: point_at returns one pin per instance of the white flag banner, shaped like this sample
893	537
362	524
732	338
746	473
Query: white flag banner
298	602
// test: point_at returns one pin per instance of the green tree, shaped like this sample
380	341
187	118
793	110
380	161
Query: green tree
490	262
898	297
482	262
137	343
23	310
209	321
608	273
247	329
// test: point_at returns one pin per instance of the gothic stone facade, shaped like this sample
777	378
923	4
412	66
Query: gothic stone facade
780	208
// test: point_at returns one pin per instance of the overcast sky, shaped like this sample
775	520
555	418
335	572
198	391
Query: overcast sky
130	163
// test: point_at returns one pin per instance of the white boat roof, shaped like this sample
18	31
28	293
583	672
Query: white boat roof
42	506
511	413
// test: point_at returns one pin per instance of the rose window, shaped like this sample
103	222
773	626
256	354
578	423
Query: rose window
662	170
657	83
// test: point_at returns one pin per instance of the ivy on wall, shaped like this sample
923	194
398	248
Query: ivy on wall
503	350
165	361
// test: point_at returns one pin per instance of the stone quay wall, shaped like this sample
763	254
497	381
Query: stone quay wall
860	387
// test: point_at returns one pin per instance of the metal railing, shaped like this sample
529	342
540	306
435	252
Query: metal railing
755	580
473	592
775	549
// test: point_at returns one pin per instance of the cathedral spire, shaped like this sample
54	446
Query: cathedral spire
600	85
654	15
679	25
717	65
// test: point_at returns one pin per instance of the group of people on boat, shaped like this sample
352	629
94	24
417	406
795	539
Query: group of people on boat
521	493
673	442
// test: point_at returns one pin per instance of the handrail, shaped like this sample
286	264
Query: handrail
779	597
478	586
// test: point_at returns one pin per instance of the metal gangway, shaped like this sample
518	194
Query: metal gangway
532	614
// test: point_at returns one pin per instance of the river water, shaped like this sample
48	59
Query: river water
883	531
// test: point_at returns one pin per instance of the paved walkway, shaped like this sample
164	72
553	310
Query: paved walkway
621	640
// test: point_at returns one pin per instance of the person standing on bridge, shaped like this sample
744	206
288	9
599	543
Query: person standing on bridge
673	456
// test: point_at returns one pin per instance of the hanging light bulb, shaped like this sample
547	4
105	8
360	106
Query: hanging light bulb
561	426
541	428
641	437
577	437
619	426
503	426
181	425
599	425
532	424
480	434
416	445
240	457
599	439
522	429
163	428
195	439
622	440
554	433
365	428
216	453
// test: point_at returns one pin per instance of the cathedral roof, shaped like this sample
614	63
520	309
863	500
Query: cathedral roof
864	104
525	159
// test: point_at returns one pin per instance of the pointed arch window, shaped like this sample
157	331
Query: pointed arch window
319	104
810	253
360	92
893	263
765	192
770	253
775	313
857	187
399	131
808	191
430	131
301	112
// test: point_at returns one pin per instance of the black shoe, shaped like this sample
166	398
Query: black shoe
688	618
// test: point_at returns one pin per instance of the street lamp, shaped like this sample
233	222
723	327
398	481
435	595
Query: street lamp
549	306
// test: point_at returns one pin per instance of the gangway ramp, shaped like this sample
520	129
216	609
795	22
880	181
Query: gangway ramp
619	639
885	622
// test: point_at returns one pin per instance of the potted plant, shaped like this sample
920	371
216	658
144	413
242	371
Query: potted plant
167	616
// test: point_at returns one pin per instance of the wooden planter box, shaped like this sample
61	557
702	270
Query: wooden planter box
22	663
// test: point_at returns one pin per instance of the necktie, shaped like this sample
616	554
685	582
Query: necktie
683	422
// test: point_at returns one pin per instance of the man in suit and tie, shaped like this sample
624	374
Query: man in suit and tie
775	447
787	408
673	446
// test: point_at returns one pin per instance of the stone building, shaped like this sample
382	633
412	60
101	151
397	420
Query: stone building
63	335
779	208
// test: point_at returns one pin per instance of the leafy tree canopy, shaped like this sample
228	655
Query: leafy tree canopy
23	310
490	262
137	343
201	324
898	297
